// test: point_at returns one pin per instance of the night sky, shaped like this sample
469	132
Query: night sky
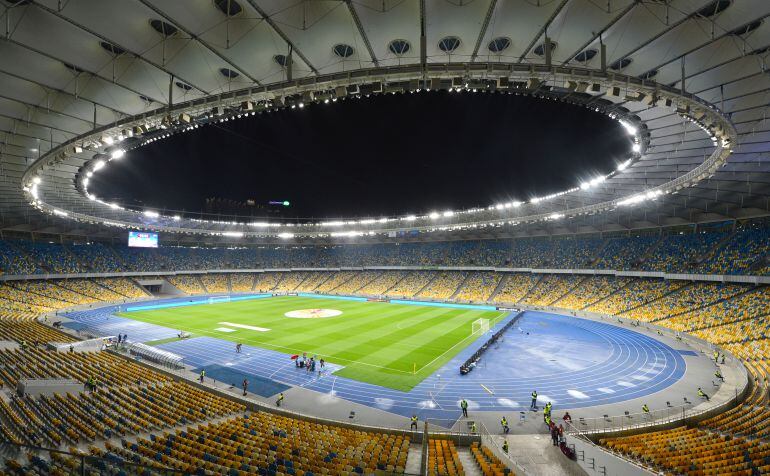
383	155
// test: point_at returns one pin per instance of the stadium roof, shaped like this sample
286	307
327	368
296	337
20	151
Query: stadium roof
75	73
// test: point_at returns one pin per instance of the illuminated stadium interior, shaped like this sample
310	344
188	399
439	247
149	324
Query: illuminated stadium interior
384	237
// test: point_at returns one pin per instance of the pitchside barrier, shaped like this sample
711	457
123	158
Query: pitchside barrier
469	364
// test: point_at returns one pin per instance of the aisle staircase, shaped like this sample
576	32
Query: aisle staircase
499	287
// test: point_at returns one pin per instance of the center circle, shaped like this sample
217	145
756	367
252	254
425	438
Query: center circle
313	313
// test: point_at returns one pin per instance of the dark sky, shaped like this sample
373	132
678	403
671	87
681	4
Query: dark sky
391	154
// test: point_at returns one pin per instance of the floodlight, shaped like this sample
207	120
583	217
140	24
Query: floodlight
630	128
234	234
636	148
448	213
60	213
433	215
98	165
151	214
285	235
118	153
410	218
36	180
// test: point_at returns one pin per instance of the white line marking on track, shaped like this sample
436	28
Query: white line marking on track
577	394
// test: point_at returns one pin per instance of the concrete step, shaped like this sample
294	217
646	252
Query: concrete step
413	459
470	468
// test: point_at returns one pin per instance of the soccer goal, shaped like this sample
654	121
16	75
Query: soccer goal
479	326
216	299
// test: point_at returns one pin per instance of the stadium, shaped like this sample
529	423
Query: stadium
338	237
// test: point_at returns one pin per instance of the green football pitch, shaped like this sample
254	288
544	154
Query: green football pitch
393	345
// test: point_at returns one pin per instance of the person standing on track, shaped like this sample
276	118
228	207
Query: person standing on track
464	407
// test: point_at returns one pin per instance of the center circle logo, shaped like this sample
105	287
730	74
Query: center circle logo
313	313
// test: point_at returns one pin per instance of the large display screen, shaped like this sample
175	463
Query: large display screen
142	239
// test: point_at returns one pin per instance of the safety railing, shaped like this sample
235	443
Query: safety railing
591	456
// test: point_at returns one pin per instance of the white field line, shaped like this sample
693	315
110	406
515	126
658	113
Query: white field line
244	326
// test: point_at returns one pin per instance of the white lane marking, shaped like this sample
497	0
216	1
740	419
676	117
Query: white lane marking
224	329
605	390
507	402
244	326
384	403
545	398
623	383
577	394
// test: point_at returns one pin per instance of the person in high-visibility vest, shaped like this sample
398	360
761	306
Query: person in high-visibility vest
505	446
702	394
473	428
414	422
504	423
280	400
548	407
716	355
718	375
645	409
533	405
203	374
464	407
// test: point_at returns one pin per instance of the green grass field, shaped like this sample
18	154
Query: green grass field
379	343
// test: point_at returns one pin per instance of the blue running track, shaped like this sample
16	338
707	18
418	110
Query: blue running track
571	362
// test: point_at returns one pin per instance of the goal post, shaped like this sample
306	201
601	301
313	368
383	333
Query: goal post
216	299
479	326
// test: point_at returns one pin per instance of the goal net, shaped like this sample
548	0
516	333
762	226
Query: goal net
216	299
479	326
